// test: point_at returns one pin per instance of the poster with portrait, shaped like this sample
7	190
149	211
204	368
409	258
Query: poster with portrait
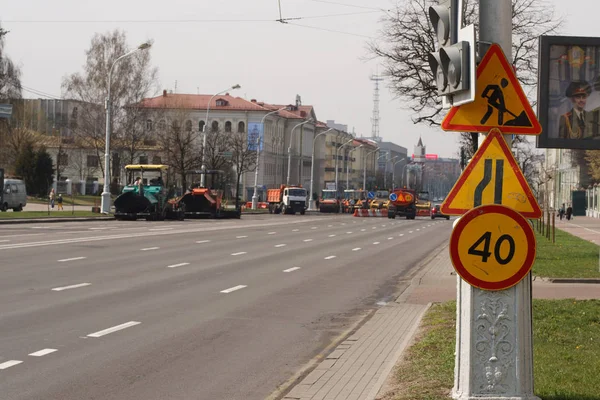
255	136
569	92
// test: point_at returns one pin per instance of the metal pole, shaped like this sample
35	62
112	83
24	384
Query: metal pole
394	172
290	149
203	167
262	121
347	163
336	163
365	168
312	168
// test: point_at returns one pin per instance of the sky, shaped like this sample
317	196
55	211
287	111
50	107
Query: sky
202	46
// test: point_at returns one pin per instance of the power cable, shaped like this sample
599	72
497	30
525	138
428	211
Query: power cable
347	5
330	30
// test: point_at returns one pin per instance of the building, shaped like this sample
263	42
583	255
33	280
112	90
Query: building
565	172
431	173
390	164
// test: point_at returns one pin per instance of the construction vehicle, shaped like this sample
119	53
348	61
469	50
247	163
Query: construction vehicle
380	201
330	201
287	200
212	201
403	203
354	200
146	196
423	204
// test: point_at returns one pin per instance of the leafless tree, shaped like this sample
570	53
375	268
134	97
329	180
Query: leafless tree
10	74
218	152
407	37
243	157
133	79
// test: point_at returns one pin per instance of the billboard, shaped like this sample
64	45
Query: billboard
569	92
255	132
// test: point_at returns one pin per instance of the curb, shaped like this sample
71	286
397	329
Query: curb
49	220
574	280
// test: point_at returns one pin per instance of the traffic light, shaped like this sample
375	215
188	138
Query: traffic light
453	65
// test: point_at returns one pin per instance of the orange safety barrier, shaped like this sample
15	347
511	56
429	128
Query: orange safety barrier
370	213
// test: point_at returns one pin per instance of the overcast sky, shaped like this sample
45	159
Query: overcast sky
271	61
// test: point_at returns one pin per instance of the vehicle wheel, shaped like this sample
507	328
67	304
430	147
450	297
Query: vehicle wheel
17	209
432	217
270	209
277	210
393	216
4	207
302	212
447	218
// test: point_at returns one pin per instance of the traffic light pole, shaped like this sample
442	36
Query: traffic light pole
494	354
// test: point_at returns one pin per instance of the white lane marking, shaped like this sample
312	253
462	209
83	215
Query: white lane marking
150	248
295	230
329	226
99	229
331	235
400	235
329	257
43	352
362	230
390	238
160	229
374	227
308	240
418	229
202	241
233	289
72	259
239	253
375	242
60	289
410	231
343	223
9	364
241	237
383	225
177	265
280	245
291	269
271	233
314	227
3	241
356	249
114	329
348	233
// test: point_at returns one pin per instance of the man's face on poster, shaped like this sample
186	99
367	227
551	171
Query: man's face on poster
579	101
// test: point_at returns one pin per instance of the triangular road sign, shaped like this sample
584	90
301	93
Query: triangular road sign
492	177
499	101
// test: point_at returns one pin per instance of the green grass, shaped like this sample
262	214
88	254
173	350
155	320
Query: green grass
44	214
566	353
569	257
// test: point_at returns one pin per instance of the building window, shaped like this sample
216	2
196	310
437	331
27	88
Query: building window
162	125
188	126
201	126
156	160
241	127
92	161
221	102
148	124
215	126
63	159
228	126
175	125
143	159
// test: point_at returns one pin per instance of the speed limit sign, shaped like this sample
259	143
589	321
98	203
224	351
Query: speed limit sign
492	247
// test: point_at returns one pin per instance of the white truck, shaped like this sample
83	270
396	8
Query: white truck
287	200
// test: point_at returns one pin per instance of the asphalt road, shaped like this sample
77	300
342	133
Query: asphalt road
193	309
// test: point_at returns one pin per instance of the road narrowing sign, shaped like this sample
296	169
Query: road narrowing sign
499	101
492	177
492	247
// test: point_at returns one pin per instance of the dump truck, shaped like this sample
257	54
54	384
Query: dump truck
330	201
211	201
403	203
146	196
287	200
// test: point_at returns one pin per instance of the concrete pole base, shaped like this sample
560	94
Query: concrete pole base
254	202
105	203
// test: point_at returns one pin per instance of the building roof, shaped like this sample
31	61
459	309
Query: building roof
420	144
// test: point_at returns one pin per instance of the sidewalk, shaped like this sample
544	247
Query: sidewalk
359	366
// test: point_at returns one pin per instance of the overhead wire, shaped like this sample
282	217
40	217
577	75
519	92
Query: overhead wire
346	5
330	30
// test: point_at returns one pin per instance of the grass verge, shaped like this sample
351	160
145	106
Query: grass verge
566	353
569	257
44	214
68	200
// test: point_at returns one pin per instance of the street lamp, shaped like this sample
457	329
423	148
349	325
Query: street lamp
365	167
312	168
385	171
105	200
347	164
336	162
262	121
290	149
394	172
203	167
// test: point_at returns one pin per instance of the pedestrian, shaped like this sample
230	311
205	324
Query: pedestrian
59	202
561	211
51	197
569	212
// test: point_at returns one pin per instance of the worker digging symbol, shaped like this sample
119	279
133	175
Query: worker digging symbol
495	99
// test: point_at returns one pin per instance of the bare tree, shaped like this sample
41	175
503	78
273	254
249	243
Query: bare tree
218	152
407	37
133	79
10	74
243	158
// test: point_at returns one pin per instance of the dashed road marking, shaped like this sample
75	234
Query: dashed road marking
410	231
72	259
239	253
307	240
60	289
400	235
331	235
330	257
356	249
160	229
348	233
178	265
375	242
291	269
280	245
150	248
314	227
241	237
362	230
329	226
202	241
295	230
271	233
418	229
390	238
114	329
9	364
233	289
43	352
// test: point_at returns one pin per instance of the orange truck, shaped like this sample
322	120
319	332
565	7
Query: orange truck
403	203
287	200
